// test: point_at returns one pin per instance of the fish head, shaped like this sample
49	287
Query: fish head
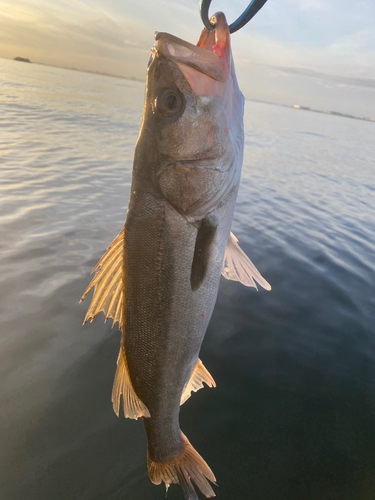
193	120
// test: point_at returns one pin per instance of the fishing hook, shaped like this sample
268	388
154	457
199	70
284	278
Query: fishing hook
244	18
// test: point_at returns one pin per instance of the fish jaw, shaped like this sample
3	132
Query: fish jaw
208	65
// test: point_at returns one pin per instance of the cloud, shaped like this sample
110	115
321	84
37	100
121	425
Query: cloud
327	36
313	5
340	81
131	42
355	43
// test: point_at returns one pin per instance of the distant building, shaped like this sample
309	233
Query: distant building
23	59
297	106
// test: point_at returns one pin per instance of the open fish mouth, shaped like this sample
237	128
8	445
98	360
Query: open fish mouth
210	57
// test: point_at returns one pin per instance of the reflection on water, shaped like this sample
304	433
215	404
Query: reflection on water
292	416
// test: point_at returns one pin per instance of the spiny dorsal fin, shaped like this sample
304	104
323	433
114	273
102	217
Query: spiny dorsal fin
238	267
122	386
107	283
188	466
199	375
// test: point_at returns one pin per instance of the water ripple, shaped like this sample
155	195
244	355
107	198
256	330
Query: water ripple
295	367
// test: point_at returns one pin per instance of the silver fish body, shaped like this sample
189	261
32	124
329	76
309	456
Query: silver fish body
160	277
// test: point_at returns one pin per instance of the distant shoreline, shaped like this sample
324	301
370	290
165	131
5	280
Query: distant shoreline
134	79
131	78
21	59
324	112
101	73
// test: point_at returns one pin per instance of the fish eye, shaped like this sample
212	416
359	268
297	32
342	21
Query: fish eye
170	103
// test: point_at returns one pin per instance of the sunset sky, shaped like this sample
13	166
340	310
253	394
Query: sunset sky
288	41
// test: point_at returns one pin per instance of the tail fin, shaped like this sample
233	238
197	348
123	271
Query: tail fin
182	470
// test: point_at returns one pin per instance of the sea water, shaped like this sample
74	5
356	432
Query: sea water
293	414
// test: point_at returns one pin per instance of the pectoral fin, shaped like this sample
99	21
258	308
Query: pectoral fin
107	283
238	267
199	375
202	253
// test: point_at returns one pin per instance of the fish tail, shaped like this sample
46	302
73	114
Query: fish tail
188	466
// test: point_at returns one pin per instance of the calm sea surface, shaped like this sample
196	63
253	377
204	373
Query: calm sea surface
293	414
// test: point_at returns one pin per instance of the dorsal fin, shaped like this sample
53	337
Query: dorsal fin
122	386
199	375
238	267
107	283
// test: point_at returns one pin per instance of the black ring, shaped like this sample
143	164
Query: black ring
249	13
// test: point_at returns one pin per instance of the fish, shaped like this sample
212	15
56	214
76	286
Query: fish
159	278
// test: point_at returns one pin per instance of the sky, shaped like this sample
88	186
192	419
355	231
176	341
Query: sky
318	53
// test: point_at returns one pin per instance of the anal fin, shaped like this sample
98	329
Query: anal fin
238	267
122	386
199	375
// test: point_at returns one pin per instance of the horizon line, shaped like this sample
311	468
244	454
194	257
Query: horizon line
135	79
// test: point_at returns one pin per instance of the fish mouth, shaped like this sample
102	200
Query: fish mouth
210	56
